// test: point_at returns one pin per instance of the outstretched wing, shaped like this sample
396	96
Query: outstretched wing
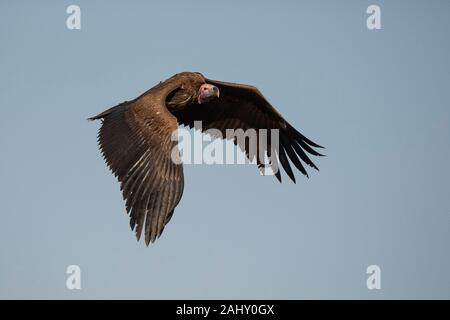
243	106
135	140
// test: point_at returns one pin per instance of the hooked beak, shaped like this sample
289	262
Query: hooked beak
207	92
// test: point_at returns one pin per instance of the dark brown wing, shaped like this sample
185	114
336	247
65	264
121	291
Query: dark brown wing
243	106
135	140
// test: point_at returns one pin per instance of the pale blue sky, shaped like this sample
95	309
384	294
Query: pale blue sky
378	100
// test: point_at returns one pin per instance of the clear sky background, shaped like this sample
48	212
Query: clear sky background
378	100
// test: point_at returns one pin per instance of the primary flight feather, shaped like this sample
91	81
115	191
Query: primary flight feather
136	141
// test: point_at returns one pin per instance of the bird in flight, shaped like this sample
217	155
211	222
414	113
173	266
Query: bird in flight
136	141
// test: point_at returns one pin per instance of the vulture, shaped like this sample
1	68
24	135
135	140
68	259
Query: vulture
136	141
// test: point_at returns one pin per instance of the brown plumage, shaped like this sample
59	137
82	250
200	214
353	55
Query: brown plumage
135	140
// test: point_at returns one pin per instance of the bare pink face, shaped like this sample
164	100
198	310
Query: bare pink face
207	92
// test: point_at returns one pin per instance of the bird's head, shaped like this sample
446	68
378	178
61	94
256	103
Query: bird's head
207	92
